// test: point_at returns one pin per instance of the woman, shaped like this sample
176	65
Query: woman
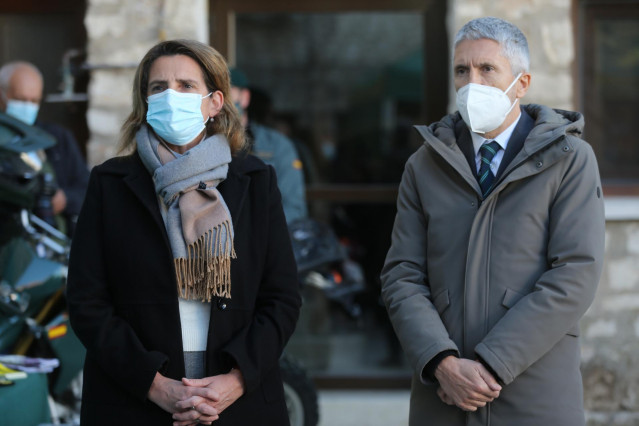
182	282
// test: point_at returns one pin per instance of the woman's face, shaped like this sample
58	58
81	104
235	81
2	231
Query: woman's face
182	74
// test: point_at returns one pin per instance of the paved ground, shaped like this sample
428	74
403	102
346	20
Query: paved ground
363	408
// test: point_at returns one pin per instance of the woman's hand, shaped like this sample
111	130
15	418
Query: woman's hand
226	387
168	393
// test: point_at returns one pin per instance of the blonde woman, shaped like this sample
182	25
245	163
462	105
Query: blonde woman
182	282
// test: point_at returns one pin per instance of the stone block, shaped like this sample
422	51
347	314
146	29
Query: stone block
632	244
625	302
594	418
549	88
611	378
100	149
105	121
623	274
105	26
191	21
111	88
557	42
467	10
510	10
601	328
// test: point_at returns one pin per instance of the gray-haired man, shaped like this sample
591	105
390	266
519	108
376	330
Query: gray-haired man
497	247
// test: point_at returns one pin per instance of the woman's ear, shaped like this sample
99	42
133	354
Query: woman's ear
216	104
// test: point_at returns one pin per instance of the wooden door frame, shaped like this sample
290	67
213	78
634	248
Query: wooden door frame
222	14
436	75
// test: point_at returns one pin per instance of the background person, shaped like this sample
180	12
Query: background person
273	148
182	265
496	251
21	89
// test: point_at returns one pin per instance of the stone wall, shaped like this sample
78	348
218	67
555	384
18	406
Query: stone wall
610	333
119	33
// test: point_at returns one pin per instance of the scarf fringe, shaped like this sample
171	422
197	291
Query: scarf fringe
206	271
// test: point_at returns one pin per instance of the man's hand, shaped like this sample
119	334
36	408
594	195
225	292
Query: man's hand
167	394
227	387
465	383
58	202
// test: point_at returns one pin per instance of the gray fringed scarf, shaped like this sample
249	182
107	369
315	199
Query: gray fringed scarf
198	221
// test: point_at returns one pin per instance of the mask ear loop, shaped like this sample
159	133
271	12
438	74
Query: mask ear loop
513	83
508	90
211	119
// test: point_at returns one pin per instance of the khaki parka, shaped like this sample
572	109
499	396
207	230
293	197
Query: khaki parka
505	278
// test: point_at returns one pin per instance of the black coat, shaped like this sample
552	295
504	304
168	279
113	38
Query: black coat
123	301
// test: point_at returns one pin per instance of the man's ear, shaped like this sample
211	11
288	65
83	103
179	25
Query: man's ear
523	84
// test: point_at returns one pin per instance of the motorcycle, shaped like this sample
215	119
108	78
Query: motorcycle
325	269
33	268
324	263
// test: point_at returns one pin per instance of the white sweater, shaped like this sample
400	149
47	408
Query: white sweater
194	315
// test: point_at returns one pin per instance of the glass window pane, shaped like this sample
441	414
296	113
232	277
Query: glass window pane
612	90
347	88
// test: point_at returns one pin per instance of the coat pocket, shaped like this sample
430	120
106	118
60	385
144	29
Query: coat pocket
574	331
441	301
511	297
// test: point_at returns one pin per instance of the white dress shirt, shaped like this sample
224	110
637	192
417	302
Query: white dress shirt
501	139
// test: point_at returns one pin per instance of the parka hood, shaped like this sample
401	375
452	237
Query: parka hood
552	123
549	125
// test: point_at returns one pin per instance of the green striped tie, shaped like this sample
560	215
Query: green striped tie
485	175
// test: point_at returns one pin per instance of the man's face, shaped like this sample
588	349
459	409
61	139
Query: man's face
240	97
481	62
24	85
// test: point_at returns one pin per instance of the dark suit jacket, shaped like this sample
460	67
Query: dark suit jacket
70	168
123	302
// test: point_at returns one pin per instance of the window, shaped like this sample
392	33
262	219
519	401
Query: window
346	81
610	88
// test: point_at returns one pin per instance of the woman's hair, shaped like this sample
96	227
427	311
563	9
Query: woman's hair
216	76
512	41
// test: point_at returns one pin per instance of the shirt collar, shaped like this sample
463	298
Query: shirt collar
502	138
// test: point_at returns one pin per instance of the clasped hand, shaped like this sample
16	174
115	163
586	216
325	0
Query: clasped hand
465	383
197	401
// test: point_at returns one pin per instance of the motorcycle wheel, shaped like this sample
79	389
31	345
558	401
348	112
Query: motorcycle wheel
299	393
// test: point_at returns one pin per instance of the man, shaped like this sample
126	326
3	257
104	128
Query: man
273	148
496	251
21	88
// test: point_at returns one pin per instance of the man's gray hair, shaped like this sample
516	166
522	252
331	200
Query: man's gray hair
512	41
9	68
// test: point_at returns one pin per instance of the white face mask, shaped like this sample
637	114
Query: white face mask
484	108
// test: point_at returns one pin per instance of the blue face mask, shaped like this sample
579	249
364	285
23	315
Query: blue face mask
176	117
23	111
